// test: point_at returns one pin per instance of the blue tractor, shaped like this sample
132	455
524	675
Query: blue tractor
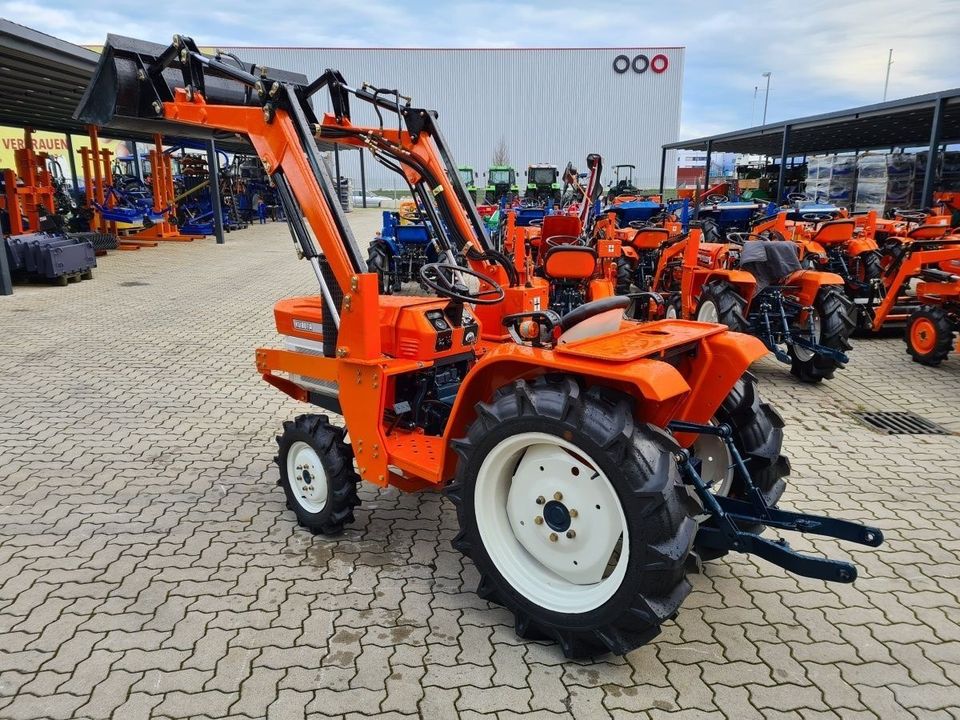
400	250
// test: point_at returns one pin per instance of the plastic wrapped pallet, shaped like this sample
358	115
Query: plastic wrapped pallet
830	179
884	182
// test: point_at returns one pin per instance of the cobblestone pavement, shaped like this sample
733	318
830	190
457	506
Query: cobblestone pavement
148	567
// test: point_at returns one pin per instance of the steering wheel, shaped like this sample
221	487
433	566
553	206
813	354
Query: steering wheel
565	240
442	279
714	199
797	197
816	217
739	238
913	216
640	224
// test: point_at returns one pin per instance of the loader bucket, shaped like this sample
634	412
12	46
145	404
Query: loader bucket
118	98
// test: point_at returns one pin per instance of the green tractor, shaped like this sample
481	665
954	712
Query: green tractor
501	182
467	176
543	184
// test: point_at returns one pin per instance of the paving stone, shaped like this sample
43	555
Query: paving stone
158	573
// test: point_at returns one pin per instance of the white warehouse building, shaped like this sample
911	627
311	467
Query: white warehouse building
542	105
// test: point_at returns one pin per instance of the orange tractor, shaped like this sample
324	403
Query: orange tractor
588	457
752	282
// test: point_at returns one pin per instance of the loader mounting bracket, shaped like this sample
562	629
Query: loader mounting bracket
726	516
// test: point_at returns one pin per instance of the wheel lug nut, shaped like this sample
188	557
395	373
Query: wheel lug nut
571	534
541	500
538	520
558	496
553	537
573	513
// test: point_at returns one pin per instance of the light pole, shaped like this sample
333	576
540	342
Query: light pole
886	82
766	97
753	108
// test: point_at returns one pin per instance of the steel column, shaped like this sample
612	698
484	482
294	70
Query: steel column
663	169
706	176
137	170
213	166
781	178
336	181
363	180
73	164
930	173
856	181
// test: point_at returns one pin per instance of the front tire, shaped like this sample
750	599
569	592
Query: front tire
834	322
546	459
929	335
317	474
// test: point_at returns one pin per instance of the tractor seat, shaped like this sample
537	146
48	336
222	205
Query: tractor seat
555	225
834	232
650	238
570	262
928	232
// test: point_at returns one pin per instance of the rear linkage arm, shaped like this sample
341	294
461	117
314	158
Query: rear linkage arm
776	304
726	515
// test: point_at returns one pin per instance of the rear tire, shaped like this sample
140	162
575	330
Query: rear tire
619	472
837	320
624	276
378	261
719	302
758	436
929	335
317	474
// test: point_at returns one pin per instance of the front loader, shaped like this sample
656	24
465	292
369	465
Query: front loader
589	458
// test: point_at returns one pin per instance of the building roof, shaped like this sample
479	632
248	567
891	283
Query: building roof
41	78
895	123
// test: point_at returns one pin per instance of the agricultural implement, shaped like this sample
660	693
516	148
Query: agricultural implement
588	457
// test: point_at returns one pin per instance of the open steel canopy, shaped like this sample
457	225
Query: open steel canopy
895	123
41	79
930	121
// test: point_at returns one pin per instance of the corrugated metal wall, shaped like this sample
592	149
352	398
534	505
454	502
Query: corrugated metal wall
549	105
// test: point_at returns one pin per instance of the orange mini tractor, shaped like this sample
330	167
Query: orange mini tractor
588	457
753	282
921	288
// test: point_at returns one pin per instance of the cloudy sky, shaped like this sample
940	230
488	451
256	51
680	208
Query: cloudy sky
823	55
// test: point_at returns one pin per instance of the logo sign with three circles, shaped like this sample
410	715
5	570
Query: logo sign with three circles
640	64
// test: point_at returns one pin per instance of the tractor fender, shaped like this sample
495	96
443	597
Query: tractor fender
860	245
809	247
657	387
600	288
809	282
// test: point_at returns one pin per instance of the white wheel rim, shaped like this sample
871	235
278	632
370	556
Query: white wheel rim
716	462
671	312
803	354
564	569
708	312
306	476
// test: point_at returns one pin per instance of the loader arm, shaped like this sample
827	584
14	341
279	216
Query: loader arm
170	88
